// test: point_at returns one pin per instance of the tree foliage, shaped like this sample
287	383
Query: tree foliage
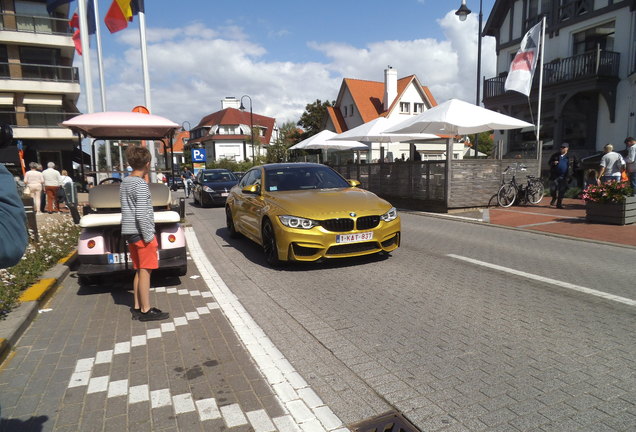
313	118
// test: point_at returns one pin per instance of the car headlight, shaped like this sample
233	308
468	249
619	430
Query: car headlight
208	189
297	222
390	215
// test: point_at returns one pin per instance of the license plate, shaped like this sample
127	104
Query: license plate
353	238
224	194
118	258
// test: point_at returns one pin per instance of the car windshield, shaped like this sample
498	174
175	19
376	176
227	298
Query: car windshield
219	177
301	178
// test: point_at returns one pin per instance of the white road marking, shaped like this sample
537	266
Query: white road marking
183	292
79	379
122	348
233	415
195	293
84	365
183	403
138	340
180	321
270	361
104	357
590	291
153	333
208	410
138	394
118	388
98	384
167	327
260	421
192	316
160	398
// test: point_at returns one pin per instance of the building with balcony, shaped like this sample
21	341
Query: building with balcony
39	87
588	73
226	134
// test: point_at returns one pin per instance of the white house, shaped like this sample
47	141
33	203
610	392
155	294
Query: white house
360	101
226	134
589	80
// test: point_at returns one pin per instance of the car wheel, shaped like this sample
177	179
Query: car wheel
269	244
229	222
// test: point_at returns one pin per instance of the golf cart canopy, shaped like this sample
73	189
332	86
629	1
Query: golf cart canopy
121	125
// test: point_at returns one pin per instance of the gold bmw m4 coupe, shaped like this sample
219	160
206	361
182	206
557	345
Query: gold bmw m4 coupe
308	212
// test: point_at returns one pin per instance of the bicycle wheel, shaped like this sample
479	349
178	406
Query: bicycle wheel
535	191
507	195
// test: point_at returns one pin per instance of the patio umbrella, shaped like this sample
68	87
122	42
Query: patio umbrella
320	142
456	117
375	131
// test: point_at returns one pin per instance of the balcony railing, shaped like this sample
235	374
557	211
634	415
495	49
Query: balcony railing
598	64
34	119
35	24
39	72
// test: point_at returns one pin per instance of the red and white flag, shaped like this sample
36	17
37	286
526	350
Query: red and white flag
523	65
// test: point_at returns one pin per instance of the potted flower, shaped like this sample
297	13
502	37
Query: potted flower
610	203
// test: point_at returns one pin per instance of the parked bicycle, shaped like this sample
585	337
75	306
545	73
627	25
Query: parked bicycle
510	191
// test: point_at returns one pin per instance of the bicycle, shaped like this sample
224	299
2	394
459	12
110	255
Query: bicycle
187	187
509	192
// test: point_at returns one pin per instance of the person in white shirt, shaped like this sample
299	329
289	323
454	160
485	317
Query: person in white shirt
52	182
612	164
631	162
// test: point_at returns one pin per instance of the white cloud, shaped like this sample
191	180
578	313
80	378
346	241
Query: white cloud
193	68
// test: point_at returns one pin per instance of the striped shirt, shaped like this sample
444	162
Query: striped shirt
137	217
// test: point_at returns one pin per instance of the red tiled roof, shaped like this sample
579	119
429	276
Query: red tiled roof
337	119
233	116
177	144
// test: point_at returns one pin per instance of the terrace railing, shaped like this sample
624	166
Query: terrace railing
34	24
39	72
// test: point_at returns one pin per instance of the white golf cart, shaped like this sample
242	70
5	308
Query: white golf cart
101	248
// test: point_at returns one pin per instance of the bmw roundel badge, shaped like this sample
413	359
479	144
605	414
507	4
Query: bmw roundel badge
352	214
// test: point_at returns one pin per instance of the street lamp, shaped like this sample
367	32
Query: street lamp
462	13
242	108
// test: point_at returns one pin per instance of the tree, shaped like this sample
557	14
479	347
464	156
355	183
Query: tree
312	119
485	145
288	135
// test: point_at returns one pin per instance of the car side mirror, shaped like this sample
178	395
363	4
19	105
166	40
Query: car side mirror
354	183
251	189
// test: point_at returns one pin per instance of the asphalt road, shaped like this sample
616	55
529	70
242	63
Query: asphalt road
542	342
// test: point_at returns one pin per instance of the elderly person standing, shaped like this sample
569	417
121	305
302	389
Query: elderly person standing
52	182
612	164
35	181
562	166
631	162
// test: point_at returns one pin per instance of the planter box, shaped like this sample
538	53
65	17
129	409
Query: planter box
616	214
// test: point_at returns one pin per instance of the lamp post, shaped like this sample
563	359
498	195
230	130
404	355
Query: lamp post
242	108
462	13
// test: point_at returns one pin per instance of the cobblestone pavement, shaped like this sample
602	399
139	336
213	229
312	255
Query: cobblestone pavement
453	345
85	365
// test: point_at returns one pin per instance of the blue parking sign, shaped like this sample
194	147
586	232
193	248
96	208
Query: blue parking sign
198	155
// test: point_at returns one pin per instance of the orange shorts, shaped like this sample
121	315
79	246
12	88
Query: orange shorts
144	256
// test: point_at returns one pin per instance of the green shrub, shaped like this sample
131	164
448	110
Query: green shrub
57	240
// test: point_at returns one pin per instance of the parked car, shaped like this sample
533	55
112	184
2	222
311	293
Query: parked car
176	182
308	212
239	174
212	186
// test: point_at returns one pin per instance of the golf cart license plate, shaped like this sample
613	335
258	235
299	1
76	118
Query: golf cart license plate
118	258
352	238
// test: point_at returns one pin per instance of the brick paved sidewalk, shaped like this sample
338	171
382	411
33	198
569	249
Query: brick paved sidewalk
85	365
569	221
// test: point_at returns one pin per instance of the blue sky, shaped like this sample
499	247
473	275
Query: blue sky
285	53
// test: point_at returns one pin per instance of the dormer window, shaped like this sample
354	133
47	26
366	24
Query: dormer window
418	108
405	107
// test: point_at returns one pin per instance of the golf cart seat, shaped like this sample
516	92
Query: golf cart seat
106	196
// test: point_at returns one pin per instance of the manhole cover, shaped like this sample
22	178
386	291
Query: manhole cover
388	422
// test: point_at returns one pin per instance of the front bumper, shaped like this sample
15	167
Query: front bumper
214	198
317	243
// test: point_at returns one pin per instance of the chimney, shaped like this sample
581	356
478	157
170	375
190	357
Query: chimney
390	87
230	102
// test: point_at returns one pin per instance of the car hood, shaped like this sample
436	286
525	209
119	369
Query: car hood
220	185
328	203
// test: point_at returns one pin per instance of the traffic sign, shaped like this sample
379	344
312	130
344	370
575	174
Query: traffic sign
198	155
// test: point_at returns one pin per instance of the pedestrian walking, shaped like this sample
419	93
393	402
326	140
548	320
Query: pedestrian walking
187	177
630	162
138	225
52	182
35	183
612	164
562	166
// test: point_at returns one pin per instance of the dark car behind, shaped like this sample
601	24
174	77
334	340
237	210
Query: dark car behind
212	186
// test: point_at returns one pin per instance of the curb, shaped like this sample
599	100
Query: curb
21	317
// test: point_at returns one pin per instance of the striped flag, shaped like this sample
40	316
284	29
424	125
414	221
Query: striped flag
523	65
121	12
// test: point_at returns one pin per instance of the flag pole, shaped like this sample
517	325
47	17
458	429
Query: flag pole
542	51
84	36
146	76
100	67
